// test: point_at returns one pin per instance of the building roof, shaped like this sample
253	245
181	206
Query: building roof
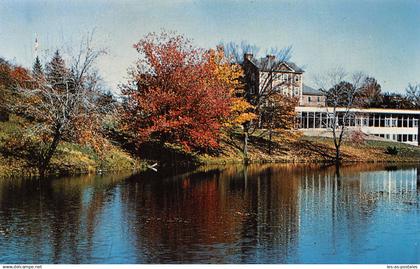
306	90
271	64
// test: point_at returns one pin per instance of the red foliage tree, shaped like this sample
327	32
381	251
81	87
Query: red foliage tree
174	94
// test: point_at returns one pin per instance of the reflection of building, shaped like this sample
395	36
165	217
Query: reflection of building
391	124
391	182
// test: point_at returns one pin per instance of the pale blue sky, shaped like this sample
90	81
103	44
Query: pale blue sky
381	38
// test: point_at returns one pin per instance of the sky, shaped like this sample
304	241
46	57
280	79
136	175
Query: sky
380	38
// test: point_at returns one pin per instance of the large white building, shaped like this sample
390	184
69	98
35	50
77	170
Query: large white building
314	118
270	74
392	124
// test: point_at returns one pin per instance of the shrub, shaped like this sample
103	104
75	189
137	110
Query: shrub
391	150
357	137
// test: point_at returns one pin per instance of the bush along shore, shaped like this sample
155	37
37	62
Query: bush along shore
69	159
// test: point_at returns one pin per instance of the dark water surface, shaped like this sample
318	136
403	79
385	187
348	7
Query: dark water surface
258	214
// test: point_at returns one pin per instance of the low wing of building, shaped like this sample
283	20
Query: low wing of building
312	97
399	125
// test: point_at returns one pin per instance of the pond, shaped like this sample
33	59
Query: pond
232	214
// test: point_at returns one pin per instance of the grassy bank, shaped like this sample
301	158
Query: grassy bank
312	149
69	159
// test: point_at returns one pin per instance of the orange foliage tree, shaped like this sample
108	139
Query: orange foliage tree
174	94
10	77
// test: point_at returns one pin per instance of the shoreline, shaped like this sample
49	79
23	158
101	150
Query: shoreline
290	152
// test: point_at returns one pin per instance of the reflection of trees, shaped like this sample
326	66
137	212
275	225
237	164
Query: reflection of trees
39	219
181	217
173	216
273	220
260	213
47	221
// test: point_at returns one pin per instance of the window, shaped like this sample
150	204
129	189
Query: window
400	123
296	78
410	138
309	99
387	122
416	123
365	122
319	99
394	123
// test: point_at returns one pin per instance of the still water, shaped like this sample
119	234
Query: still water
232	214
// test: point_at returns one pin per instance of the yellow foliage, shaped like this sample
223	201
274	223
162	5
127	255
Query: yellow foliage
231	74
240	112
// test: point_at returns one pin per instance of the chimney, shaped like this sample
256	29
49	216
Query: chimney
248	56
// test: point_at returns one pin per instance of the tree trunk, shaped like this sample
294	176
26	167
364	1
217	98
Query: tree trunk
337	156
50	152
270	134
337	170
245	150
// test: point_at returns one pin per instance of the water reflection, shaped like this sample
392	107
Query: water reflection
234	214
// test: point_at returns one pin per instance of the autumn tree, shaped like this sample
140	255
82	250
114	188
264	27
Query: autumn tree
10	77
241	111
338	95
61	104
279	116
6	82
174	95
370	93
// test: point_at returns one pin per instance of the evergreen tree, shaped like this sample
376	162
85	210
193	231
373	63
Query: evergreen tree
37	70
57	74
